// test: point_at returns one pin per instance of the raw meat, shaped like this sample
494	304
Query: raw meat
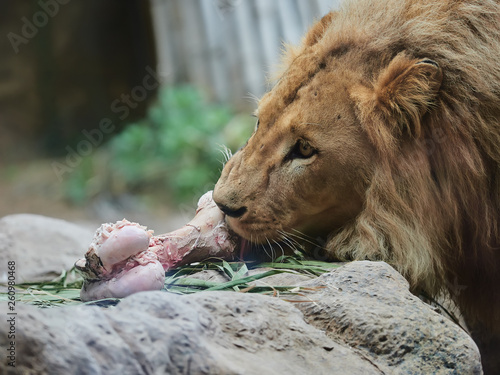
125	257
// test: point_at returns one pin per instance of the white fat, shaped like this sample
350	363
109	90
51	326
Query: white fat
114	243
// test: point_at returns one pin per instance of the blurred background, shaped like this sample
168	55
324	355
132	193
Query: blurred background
122	108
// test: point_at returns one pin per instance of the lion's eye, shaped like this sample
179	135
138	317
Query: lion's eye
302	150
305	149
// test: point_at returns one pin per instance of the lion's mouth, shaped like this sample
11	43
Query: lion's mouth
245	248
253	236
254	233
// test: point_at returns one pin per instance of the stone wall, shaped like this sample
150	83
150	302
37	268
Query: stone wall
63	63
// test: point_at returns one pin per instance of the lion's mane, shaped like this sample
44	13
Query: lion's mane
433	204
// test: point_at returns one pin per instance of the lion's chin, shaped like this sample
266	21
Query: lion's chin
253	234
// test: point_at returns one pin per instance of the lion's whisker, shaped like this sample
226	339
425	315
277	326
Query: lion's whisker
226	153
306	238
266	250
271	248
282	250
253	97
290	241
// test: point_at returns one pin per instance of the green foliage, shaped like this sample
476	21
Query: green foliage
77	186
65	290
178	144
176	148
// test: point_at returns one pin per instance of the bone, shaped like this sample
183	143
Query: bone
126	258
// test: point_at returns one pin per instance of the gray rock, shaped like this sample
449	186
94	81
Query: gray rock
368	306
161	333
42	247
358	319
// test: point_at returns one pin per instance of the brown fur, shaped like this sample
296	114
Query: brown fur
400	99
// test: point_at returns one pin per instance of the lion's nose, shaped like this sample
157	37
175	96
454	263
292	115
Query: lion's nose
232	212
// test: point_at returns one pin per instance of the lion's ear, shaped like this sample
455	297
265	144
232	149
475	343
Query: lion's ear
401	95
407	89
318	29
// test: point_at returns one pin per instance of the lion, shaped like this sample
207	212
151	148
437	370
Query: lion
382	136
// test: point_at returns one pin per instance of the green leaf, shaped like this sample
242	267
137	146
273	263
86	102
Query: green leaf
241	272
244	280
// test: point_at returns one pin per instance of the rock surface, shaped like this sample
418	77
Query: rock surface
358	319
367	305
42	247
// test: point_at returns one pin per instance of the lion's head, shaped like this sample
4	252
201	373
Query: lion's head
325	135
308	164
383	136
